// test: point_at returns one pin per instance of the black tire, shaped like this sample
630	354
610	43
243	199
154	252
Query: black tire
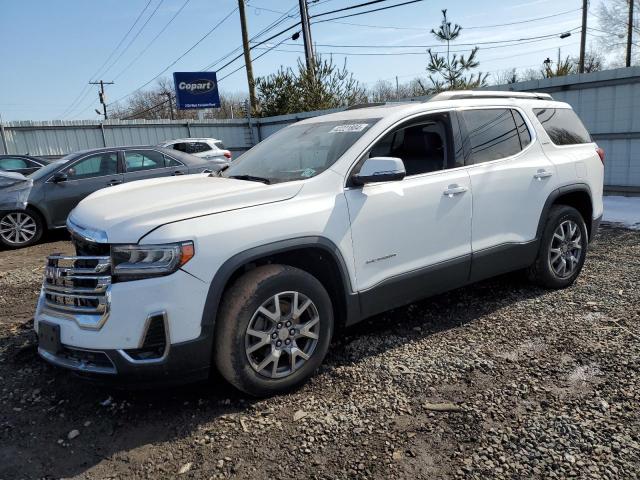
542	272
30	216
240	304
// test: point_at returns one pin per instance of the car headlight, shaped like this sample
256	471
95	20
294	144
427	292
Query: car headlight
133	262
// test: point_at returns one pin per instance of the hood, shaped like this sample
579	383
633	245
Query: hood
127	212
10	178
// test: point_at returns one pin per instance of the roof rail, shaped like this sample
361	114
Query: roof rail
466	94
365	105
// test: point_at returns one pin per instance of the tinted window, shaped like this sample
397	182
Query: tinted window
181	147
523	130
492	134
220	145
143	160
94	166
563	126
198	147
171	162
12	163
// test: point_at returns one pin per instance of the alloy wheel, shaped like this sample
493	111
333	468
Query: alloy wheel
566	249
18	228
282	334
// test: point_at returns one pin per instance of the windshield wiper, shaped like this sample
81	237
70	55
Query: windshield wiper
250	178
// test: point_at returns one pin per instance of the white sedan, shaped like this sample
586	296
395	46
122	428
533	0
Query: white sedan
207	148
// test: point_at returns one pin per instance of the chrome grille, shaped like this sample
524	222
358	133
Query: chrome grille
78	287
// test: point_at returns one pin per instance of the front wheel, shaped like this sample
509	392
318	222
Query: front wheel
273	330
563	249
20	228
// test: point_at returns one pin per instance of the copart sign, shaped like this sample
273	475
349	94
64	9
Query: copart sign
196	90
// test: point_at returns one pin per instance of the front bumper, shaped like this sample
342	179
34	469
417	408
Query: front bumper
185	362
105	343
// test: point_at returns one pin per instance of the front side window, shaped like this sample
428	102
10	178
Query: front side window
492	134
143	160
94	166
299	151
563	126
12	163
424	145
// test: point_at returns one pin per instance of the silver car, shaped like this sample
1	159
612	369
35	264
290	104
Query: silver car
42	200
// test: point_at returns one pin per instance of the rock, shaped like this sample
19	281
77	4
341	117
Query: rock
185	468
299	415
442	407
73	434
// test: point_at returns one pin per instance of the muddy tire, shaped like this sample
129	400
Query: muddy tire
273	330
20	228
563	249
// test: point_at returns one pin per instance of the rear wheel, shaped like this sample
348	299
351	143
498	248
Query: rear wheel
563	249
20	228
273	331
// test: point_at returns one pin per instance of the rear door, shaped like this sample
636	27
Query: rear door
511	180
142	164
85	176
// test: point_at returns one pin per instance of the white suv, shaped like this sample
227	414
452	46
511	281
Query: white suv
327	222
207	148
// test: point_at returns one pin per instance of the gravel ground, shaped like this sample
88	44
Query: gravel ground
499	379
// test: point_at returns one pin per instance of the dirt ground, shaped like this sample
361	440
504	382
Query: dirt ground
500	380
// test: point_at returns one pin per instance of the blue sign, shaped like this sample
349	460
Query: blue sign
196	90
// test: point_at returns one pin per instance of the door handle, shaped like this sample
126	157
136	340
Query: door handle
178	172
115	182
454	189
542	173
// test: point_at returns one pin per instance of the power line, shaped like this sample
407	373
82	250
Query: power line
134	37
372	2
364	13
181	56
152	40
86	88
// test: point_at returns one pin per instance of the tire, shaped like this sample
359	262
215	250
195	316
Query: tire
554	251
240	356
30	232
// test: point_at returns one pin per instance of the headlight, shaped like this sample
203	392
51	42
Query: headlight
132	262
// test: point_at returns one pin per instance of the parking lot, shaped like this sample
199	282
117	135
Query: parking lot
499	379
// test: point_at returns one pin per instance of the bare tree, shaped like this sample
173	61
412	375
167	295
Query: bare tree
613	19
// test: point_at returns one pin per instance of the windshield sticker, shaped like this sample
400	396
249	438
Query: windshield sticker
353	127
308	172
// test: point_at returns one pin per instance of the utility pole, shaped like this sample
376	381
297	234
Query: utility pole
168	95
306	33
247	56
583	35
629	33
102	96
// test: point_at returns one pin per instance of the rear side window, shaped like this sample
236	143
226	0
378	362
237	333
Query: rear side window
492	134
219	144
143	160
199	147
171	162
563	126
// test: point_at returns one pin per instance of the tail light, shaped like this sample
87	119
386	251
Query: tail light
600	153
227	154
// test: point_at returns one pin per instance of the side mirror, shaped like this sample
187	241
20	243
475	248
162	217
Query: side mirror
380	169
59	177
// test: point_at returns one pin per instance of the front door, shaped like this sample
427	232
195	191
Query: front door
412	238
84	177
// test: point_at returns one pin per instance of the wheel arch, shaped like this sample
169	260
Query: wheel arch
577	196
318	256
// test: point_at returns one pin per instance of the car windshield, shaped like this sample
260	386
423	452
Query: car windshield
50	168
299	151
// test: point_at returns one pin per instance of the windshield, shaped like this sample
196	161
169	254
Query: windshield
299	151
50	168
